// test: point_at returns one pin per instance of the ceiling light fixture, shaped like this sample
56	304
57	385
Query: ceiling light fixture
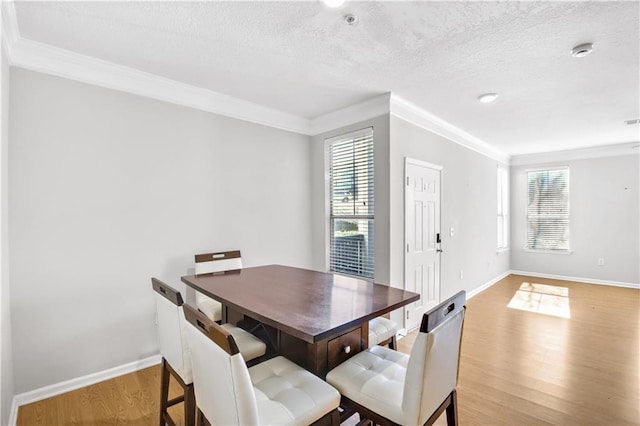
334	4
488	98
582	50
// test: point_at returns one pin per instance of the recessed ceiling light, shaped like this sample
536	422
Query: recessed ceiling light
333	3
582	50
488	97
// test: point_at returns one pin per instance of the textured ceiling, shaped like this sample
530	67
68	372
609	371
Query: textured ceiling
302	58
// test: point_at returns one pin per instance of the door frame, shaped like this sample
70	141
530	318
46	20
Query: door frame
415	162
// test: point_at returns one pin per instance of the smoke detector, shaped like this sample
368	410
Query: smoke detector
350	19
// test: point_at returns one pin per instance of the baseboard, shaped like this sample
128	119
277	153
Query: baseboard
578	279
77	383
488	284
13	415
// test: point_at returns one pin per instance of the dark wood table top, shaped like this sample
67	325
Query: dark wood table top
306	304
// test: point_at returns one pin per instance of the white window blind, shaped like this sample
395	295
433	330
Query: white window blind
503	208
548	210
351	204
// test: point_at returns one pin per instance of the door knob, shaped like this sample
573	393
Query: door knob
439	250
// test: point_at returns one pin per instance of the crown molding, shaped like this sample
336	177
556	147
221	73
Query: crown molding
48	59
9	27
615	150
421	118
365	110
63	63
41	57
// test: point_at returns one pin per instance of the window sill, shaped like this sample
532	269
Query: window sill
564	252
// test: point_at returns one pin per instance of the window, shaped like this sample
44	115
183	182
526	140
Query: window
351	221
503	208
548	210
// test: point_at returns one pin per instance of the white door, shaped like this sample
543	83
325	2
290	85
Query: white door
422	238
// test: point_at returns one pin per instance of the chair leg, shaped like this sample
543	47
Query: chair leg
452	410
189	406
392	343
187	397
335	418
164	391
201	419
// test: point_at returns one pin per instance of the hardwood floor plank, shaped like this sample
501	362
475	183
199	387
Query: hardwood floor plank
516	368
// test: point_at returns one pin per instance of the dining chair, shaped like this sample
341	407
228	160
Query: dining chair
208	263
176	356
382	331
176	359
392	388
275	392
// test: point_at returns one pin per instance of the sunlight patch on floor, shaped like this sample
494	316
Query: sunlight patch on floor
542	299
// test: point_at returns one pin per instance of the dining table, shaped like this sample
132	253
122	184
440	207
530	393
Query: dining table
316	319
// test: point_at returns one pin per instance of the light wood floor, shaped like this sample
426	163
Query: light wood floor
516	368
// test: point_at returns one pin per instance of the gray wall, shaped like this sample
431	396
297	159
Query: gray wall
604	216
6	364
469	205
108	189
381	184
469	201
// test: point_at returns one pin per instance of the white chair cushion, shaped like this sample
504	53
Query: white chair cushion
249	345
288	394
374	378
208	306
381	329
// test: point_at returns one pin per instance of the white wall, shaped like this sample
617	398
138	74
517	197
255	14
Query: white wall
6	363
108	189
469	205
381	184
604	216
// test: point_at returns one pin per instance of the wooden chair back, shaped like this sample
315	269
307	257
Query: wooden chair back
208	263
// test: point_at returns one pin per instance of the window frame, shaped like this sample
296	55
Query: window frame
370	245
504	209
526	210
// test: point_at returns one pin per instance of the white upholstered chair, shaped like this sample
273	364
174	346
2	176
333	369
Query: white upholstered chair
176	358
275	392
389	387
219	262
208	263
382	331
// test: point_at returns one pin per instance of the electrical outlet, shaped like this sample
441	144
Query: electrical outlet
601	261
